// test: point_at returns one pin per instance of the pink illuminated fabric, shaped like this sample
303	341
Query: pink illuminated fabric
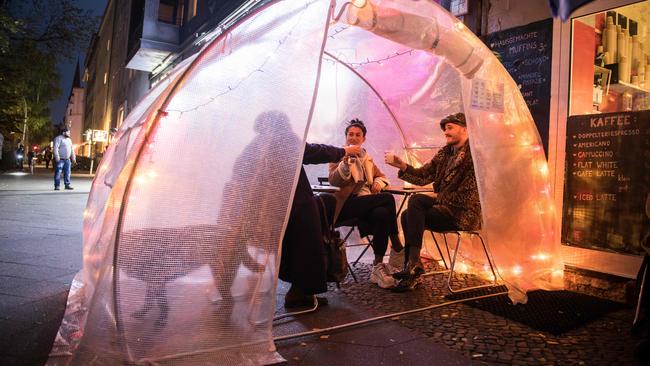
183	227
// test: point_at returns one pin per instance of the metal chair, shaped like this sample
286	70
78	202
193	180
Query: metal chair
354	224
442	257
337	225
458	234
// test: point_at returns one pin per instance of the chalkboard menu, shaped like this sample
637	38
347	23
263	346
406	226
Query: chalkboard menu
607	178
526	53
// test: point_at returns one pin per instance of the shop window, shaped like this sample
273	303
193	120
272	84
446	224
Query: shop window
191	9
606	172
610	62
121	113
169	11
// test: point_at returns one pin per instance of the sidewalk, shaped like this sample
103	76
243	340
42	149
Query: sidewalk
40	252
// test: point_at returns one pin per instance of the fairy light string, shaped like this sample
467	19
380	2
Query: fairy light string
258	69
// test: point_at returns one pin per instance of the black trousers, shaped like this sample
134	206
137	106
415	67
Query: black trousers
423	213
377	216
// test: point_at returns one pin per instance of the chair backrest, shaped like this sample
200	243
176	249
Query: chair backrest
351	223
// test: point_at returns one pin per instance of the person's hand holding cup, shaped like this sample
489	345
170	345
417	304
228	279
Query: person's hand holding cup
393	160
352	150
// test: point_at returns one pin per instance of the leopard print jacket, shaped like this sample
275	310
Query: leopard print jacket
454	180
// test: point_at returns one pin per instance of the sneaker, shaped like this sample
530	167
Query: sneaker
57	188
381	277
411	270
390	269
69	187
396	259
408	284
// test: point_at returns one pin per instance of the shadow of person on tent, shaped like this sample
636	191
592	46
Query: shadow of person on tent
243	256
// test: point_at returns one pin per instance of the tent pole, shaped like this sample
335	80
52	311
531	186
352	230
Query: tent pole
392	115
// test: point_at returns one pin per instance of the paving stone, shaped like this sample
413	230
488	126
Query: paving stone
492	336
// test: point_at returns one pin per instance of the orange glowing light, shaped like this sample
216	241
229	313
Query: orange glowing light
462	267
542	166
526	140
541	257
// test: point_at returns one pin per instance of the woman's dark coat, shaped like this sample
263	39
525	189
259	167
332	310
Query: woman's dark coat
302	261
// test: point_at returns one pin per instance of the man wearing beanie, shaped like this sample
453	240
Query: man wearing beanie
455	204
63	156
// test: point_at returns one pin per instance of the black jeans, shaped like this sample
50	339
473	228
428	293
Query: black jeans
377	214
423	213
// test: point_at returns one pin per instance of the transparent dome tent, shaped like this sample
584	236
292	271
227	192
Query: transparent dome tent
183	226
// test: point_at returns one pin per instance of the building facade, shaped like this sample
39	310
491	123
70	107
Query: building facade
74	112
137	44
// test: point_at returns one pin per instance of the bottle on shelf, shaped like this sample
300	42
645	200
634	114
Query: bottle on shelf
623	70
621	45
610	41
636	55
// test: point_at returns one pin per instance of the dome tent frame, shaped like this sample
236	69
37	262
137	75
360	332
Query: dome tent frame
131	158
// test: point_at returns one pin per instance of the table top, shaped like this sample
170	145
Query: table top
321	188
407	190
390	189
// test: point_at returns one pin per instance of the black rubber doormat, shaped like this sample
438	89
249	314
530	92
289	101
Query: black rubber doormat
555	312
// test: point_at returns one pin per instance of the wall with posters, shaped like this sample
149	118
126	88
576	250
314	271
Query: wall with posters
607	181
526	53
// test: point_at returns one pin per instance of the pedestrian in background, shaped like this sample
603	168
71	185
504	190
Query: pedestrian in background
63	156
20	156
47	156
30	160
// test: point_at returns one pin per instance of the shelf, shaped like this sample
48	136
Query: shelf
622	87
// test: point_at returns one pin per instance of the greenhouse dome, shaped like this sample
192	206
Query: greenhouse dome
192	197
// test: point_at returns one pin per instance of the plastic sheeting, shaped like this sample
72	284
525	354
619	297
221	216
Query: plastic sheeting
184	222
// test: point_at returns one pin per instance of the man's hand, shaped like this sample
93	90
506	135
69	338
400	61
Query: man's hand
375	188
397	162
352	150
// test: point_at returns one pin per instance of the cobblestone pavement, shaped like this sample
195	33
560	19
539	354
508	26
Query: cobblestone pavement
492	339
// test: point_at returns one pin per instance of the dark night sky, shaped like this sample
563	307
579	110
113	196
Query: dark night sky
66	69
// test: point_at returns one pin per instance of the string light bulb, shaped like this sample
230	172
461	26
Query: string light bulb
542	167
541	257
